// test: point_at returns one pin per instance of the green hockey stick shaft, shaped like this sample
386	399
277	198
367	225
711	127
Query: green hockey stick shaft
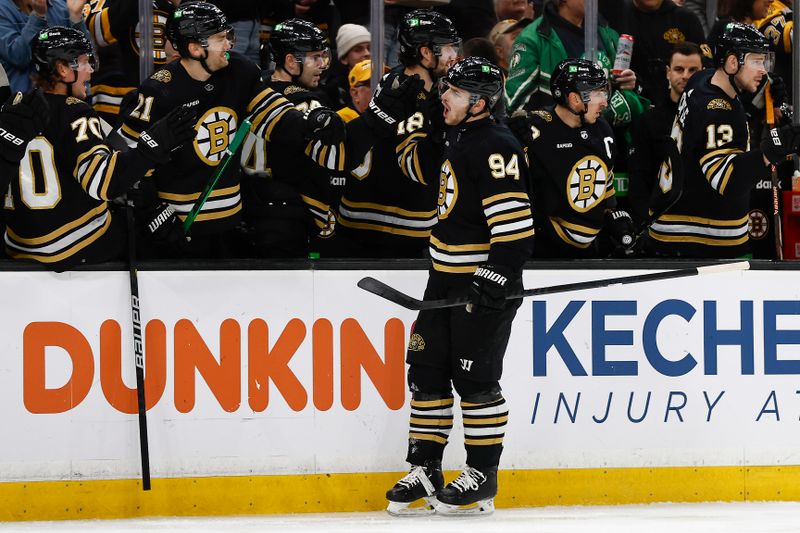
230	154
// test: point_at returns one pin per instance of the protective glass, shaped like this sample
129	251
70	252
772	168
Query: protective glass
320	59
760	61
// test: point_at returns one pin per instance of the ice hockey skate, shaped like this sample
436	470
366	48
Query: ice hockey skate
471	493
415	493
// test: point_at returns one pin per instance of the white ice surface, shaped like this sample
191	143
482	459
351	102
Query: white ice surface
761	517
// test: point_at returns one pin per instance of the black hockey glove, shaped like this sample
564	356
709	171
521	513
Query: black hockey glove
488	290
324	125
780	143
159	140
393	101
520	125
620	228
161	225
777	89
21	119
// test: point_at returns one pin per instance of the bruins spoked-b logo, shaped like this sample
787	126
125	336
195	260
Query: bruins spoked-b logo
448	190
586	185
215	131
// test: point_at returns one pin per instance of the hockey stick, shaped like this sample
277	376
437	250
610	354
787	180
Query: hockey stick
776	209
138	349
230	153
393	295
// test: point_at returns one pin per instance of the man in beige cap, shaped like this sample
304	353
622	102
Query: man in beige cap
352	47
352	44
502	37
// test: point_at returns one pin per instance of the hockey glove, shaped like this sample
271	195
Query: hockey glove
21	119
488	290
162	226
324	125
520	125
620	228
393	101
159	140
777	89
780	143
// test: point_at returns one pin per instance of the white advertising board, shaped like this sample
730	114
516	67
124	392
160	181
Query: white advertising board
293	372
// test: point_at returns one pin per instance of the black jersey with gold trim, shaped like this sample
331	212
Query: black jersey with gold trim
483	206
720	170
56	208
572	179
117	22
225	100
778	26
287	162
389	206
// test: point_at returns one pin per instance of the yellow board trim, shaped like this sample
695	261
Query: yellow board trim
245	495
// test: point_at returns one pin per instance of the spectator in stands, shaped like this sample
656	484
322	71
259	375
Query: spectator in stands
558	35
653	128
360	90
352	47
472	18
20	21
656	26
503	36
513	9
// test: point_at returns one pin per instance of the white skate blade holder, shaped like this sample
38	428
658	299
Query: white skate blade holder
422	507
481	507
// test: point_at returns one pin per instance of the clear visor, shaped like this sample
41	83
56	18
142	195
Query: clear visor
222	41
84	62
449	50
760	61
320	59
456	96
595	96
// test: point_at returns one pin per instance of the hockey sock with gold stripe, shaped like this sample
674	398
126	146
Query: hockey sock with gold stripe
485	418
429	427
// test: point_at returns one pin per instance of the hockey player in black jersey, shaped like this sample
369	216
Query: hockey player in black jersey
389	204
227	89
57	209
116	23
710	218
478	247
287	202
571	152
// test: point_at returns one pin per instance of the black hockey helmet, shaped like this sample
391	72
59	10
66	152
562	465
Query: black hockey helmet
576	76
296	37
478	76
423	27
58	43
739	39
195	21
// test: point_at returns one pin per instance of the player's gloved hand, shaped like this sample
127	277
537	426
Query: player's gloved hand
159	140
488	290
620	228
324	125
162	225
780	142
393	101
777	89
22	117
520	125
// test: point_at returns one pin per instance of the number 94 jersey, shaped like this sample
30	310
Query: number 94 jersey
572	181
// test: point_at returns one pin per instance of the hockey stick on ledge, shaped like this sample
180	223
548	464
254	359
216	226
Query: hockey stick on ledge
393	295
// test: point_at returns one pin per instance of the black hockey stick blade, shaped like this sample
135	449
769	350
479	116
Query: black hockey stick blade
393	295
